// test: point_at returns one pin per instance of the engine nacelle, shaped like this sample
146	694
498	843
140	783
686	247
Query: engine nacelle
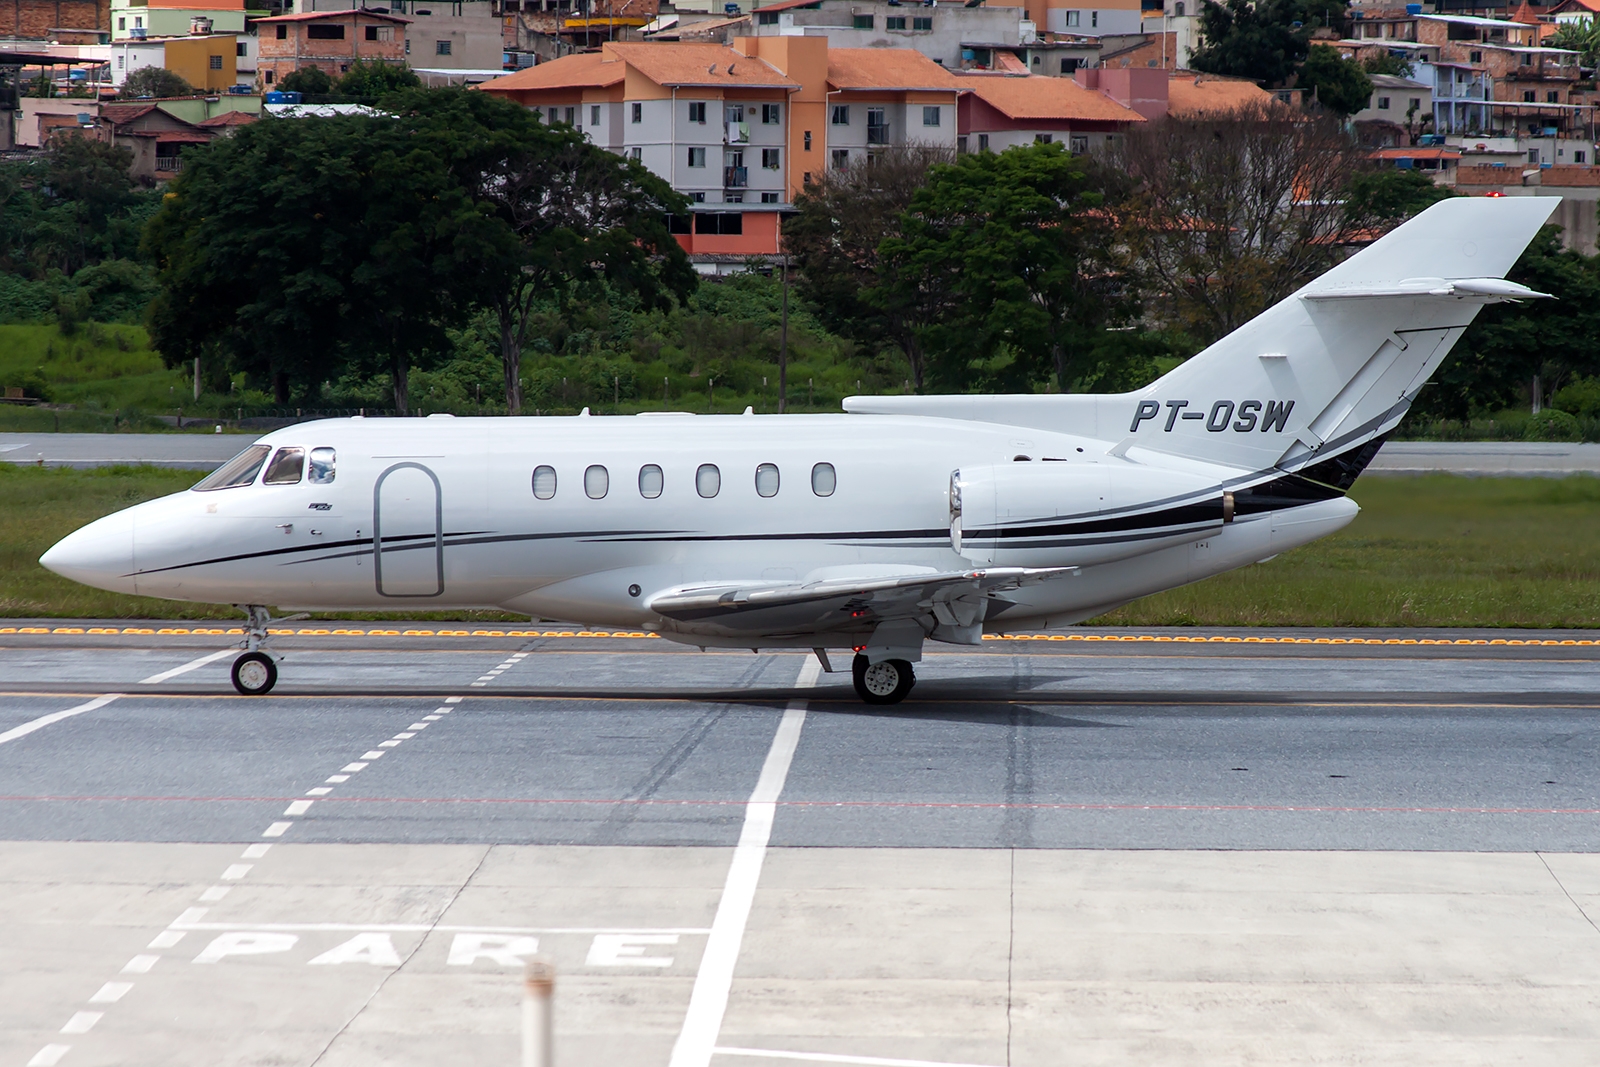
1078	513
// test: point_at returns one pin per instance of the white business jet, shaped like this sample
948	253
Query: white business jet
910	518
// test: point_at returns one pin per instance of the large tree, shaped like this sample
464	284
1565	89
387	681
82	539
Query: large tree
1336	83
839	223
1015	247
1263	40
1235	212
570	214
301	247
156	82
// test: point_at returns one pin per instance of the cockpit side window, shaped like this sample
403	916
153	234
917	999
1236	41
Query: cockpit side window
240	470
323	461
286	467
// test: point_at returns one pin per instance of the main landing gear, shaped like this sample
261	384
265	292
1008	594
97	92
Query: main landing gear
885	682
254	672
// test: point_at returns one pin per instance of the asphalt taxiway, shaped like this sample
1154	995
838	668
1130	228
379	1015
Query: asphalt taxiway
1137	847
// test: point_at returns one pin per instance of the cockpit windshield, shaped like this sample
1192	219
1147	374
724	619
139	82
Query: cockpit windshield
240	470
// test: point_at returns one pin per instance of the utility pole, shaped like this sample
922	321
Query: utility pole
783	344
197	377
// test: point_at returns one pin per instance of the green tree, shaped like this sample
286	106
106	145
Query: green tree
834	236
1581	36
1388	63
570	215
301	248
312	81
1016	244
371	79
1382	198
1338	84
155	82
1263	40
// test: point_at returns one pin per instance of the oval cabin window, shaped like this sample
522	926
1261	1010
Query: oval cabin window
823	479
544	482
596	482
650	481
708	480
767	480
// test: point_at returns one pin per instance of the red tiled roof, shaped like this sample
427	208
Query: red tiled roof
886	68
1193	96
1055	99
1416	153
312	16
581	70
787	5
696	63
118	114
228	118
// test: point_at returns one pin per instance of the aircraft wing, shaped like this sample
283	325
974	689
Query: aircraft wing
854	603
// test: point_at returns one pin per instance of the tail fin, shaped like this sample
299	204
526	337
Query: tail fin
1319	375
1338	363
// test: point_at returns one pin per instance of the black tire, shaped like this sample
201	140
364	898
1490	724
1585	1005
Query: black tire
254	674
887	682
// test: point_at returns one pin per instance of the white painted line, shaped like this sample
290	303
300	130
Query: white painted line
168	938
709	1001
319	791
518	655
452	700
110	993
430	718
82	1022
828	1057
417	726
55	716
214	894
236	871
191	915
388	744
49	1056
187	667
442	711
422	928
404	737
277	829
372	755
352	768
476	685
140	964
339	778
299	807
254	852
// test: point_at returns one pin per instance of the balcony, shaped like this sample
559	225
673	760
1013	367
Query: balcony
735	177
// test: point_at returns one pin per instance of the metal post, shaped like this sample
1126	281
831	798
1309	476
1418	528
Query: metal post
783	345
538	995
197	377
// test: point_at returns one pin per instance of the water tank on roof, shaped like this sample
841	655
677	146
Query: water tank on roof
1413	9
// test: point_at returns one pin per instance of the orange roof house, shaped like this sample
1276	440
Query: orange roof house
1193	96
1000	113
331	40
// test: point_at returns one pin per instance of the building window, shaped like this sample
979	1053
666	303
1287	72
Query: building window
1078	144
698	198
766	18
325	33
214	62
1533	155
733	198
122	24
922	23
863	22
769	158
771	114
1043	138
638	112
841	158
1036	61
895	22
1580	157
1415	103
697	112
877	126
841	114
983	142
441	48
123	58
636	154
1094	18
283	33
805	178
1474	57
930	116
1068	66
1177	9
267	77
552	116
808	140
571	116
1072	18
772	198
594	114
697	157
961	146
1528	96
239	50
1383	103
1552	97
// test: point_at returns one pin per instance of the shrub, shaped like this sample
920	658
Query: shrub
1552	425
1580	397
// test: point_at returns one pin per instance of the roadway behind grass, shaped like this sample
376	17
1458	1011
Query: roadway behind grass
1438	550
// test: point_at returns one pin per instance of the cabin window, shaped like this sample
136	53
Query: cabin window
240	470
544	482
596	482
823	479
708	480
650	481
767	479
286	467
323	461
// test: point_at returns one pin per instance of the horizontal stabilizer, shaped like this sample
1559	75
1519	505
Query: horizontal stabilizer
1480	290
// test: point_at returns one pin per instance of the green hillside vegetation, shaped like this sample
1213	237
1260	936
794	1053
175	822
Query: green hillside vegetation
1431	551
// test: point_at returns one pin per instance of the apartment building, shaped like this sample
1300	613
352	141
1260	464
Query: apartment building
331	40
462	35
207	61
741	130
1000	112
133	19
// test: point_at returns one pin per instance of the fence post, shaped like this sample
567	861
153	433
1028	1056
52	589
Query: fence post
538	992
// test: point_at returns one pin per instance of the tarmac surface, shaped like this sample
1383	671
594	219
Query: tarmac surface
1140	847
199	451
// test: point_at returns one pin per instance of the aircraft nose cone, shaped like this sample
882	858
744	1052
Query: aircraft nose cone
100	554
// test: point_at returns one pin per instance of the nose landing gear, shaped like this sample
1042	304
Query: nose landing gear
885	682
254	672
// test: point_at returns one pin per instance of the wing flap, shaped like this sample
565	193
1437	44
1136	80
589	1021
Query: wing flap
1487	290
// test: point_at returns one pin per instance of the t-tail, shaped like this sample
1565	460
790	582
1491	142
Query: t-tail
1313	383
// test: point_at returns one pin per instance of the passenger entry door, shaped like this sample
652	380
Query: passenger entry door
408	532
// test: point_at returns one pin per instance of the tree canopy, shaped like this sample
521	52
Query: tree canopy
312	81
155	82
1338	84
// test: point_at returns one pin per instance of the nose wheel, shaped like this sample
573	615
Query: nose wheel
886	682
254	674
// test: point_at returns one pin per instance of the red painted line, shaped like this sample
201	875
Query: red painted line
906	804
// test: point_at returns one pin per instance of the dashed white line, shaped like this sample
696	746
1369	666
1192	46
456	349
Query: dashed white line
277	829
215	893
49	1056
404	737
391	743
110	993
168	938
319	791
375	754
236	871
337	778
299	807
452	700
708	1003
82	1022
417	726
56	716
187	667
352	768
254	852
830	1057
140	964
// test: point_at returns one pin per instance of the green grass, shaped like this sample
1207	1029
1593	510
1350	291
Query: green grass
1428	551
108	372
